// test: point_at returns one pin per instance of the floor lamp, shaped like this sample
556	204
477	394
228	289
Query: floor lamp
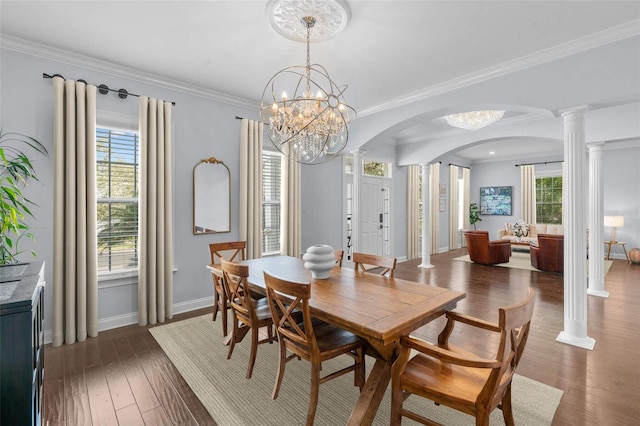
614	222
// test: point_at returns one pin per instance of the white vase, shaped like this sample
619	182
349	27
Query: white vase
319	259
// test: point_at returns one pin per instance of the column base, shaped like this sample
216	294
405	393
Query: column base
425	265
582	342
599	293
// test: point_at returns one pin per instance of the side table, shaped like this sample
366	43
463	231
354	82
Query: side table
613	243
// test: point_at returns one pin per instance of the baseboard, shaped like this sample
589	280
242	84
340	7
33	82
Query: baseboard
117	321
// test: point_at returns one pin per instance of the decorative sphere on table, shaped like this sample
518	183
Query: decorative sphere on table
319	259
634	255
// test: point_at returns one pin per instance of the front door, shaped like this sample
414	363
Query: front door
374	214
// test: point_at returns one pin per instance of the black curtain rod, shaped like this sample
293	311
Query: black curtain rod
464	167
542	162
103	88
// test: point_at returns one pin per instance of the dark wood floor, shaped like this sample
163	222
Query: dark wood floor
123	377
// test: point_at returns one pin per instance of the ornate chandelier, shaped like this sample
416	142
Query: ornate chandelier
474	120
306	112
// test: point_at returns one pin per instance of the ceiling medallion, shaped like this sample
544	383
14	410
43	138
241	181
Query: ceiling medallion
331	17
310	124
474	120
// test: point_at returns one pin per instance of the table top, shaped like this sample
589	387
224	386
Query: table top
378	308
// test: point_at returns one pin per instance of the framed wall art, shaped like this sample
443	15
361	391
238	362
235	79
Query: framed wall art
496	200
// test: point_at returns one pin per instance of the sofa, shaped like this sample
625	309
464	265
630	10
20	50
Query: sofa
486	252
548	253
506	233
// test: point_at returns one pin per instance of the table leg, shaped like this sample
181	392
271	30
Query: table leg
625	252
372	393
608	250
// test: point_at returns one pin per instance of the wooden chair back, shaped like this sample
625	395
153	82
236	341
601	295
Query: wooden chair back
287	301
380	265
233	251
454	372
339	254
237	290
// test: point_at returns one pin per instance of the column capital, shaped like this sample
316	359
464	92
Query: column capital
358	151
595	146
581	109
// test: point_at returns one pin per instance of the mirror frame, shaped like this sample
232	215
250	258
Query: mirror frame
213	161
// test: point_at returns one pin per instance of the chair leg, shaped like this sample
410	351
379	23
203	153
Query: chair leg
482	416
254	351
359	373
507	413
396	402
232	341
282	361
224	313
215	303
313	397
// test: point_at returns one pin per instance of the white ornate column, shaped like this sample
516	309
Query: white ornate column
596	223
355	215
426	219
573	213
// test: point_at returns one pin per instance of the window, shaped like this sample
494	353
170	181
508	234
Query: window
549	199
271	179
117	179
376	168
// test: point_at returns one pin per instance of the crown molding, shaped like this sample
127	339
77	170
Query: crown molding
621	32
67	57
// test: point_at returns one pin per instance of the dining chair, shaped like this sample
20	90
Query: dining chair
339	254
372	263
309	338
248	314
232	250
458	378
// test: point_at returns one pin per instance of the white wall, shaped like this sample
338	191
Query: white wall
202	128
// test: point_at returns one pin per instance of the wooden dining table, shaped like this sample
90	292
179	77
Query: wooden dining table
377	308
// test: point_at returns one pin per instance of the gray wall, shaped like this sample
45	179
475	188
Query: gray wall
202	128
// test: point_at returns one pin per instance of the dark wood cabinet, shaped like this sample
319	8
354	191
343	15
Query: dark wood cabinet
21	343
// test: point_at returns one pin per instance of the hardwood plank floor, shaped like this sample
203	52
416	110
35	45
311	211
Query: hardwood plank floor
123	377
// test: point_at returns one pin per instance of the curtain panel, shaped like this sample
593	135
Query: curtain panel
250	203
413	212
528	198
75	280
434	205
290	219
155	261
453	208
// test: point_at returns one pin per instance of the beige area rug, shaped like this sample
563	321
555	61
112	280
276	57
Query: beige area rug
195	348
522	260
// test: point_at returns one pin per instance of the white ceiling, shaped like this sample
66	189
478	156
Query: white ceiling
391	52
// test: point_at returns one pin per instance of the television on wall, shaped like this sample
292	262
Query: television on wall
496	200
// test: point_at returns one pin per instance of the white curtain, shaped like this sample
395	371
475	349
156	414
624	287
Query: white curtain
528	196
290	225
155	218
75	276
466	179
413	214
434	206
250	204
453	208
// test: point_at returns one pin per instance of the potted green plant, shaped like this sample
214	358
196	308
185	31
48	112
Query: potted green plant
474	215
16	170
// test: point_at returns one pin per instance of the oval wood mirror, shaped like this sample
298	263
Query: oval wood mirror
211	197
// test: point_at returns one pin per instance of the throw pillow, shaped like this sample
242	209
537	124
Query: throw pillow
509	228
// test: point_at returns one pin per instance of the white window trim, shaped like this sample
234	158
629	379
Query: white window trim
129	123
